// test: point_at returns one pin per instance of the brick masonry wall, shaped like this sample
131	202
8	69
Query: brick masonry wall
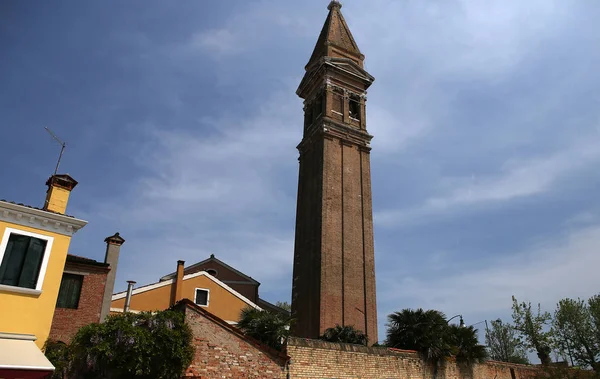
311	359
223	354
66	322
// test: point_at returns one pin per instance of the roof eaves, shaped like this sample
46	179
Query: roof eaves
83	260
36	208
218	261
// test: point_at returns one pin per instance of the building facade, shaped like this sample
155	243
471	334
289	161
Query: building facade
234	278
33	250
334	268
201	287
81	298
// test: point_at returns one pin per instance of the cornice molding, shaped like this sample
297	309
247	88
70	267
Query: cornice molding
39	219
334	130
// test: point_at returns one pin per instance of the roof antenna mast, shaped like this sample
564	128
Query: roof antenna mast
62	144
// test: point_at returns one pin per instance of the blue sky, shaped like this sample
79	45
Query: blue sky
181	121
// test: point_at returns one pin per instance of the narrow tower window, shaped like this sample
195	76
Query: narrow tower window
308	116
318	108
354	107
338	101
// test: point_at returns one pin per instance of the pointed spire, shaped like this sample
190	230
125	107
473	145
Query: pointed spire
334	3
335	39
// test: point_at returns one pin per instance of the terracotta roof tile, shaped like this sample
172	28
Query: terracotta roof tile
77	259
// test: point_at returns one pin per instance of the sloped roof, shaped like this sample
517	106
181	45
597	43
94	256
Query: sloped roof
36	208
83	260
190	269
335	32
272	307
162	283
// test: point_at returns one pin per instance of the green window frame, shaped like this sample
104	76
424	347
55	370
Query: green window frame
22	260
70	291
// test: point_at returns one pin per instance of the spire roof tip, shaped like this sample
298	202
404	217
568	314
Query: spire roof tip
334	3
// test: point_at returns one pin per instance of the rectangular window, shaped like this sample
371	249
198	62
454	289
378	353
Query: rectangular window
318	105
24	257
338	102
308	117
202	296
70	290
354	107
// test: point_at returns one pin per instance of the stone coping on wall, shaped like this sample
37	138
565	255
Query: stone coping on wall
318	344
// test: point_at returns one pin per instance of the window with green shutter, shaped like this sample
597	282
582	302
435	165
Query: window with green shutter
22	260
70	290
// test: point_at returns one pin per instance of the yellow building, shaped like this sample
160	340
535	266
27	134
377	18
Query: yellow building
201	287
33	249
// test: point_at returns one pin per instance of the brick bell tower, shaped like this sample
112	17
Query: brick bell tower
334	260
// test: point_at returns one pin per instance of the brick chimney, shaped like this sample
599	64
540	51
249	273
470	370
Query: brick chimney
178	284
57	195
113	248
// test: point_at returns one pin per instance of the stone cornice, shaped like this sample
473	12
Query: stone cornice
332	129
39	219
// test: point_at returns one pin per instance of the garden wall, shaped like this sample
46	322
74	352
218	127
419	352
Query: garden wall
312	359
222	351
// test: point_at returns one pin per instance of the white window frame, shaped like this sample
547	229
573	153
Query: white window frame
40	280
207	296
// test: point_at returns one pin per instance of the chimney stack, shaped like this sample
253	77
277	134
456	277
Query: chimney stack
130	284
57	195
178	293
113	248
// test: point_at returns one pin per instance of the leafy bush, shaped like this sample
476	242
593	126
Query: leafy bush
57	353
269	328
344	334
141	346
428	332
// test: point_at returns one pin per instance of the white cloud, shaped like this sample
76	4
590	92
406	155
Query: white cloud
220	41
217	187
554	268
518	178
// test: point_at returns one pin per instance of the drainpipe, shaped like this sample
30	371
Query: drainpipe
130	284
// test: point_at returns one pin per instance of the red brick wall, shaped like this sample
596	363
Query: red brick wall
223	354
312	359
66	322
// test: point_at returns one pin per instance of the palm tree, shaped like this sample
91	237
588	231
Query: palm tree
465	345
423	331
269	328
344	334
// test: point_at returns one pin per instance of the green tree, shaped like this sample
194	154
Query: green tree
270	328
344	334
465	345
142	346
533	329
428	332
57	352
503	343
420	330
576	332
284	305
594	307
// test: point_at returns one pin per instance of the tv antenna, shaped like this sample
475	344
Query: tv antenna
62	144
